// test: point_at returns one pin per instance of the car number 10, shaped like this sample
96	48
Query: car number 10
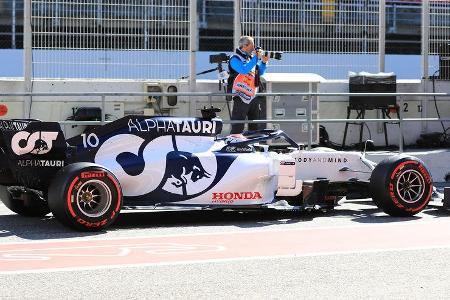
91	140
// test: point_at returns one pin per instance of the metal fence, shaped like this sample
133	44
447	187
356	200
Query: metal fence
133	39
401	17
439	33
215	11
151	39
11	20
309	118
346	31
216	25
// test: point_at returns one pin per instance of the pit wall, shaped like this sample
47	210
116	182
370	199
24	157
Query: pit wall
60	108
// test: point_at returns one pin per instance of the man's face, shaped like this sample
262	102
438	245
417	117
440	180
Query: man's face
249	48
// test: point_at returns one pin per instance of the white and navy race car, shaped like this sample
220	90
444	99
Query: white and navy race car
154	162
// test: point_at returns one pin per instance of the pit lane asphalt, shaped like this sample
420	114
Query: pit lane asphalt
399	274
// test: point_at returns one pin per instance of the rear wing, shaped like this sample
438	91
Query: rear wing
31	152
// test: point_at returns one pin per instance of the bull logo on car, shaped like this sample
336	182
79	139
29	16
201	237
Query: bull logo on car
182	168
39	142
171	167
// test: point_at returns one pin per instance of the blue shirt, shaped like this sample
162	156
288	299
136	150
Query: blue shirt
245	67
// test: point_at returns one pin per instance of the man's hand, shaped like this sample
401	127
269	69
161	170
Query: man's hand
259	54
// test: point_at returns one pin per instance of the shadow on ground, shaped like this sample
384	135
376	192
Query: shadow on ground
358	211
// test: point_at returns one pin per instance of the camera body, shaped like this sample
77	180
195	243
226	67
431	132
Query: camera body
219	58
271	54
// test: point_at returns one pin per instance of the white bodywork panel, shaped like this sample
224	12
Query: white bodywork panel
332	165
251	179
321	163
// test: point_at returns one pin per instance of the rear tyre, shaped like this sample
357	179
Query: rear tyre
26	204
401	186
85	196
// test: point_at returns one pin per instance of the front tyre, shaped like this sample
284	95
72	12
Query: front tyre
401	186
85	196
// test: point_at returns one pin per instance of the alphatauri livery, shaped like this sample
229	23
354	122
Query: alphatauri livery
156	162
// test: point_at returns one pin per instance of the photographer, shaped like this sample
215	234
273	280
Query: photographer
245	68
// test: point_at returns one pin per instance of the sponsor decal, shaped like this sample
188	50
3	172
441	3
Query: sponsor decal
76	187
167	166
39	142
92	224
93	174
12	125
234	149
425	173
322	160
172	126
40	163
244	86
287	163
182	169
230	197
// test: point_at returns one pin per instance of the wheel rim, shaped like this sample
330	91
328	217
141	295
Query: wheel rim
411	186
93	198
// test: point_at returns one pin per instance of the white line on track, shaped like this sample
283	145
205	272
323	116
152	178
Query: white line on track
188	262
96	238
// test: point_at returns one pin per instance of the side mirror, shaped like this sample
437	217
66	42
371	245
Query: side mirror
367	142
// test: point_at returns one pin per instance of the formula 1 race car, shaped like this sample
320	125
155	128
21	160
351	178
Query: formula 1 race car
154	162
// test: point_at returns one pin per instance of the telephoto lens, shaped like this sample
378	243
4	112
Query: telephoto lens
273	54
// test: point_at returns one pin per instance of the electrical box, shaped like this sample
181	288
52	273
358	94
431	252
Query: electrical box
292	107
162	105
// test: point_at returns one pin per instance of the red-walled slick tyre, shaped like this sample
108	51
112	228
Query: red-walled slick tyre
401	186
85	196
